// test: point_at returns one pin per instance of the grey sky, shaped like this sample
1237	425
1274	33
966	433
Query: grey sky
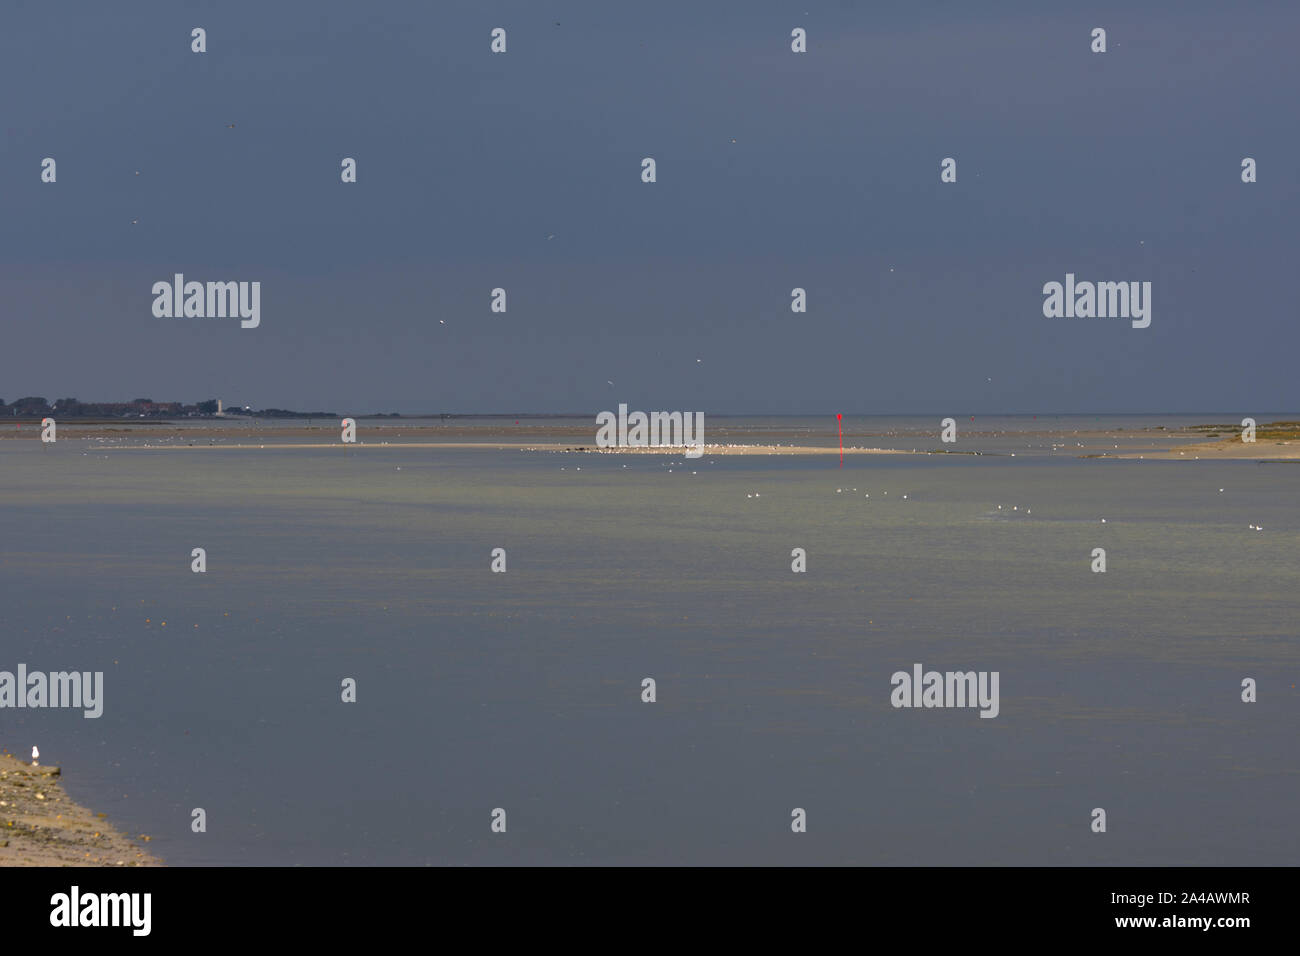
1115	166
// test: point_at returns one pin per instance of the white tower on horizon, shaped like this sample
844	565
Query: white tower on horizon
220	412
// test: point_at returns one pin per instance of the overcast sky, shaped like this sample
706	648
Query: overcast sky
1117	166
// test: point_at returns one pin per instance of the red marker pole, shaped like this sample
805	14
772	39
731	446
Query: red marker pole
839	424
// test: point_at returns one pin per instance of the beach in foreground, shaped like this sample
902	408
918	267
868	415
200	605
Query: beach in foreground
42	826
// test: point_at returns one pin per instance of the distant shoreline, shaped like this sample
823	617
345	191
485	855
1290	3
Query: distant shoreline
290	439
1037	439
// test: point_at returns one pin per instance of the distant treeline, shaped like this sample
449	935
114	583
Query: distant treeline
35	406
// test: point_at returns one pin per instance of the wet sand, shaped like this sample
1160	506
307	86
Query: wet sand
1227	450
553	447
40	825
1100	443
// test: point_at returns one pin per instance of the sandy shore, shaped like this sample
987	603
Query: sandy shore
554	447
1148	444
41	826
1192	452
1233	449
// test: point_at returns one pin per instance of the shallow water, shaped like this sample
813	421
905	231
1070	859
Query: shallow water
522	690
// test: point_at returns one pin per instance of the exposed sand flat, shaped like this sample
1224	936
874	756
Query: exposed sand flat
1210	450
1232	449
517	446
732	440
741	449
41	826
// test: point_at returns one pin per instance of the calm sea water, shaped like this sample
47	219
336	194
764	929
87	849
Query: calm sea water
522	690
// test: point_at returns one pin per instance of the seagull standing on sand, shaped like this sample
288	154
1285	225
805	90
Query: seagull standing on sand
36	754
